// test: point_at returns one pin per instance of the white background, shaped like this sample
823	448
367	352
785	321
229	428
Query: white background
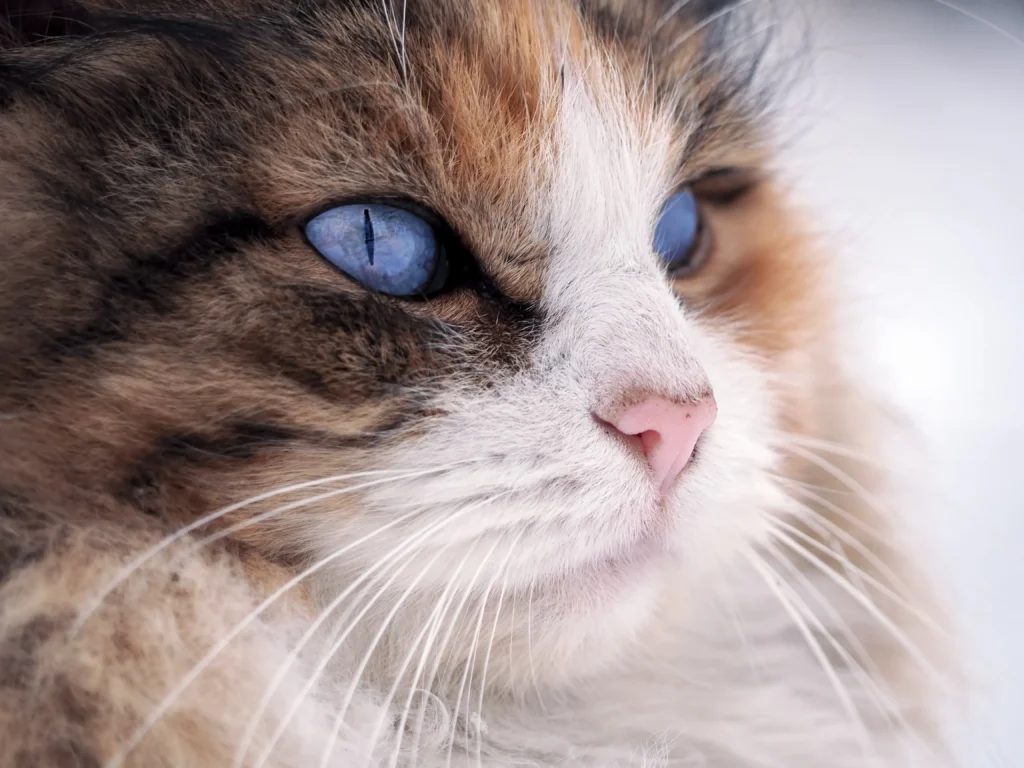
911	147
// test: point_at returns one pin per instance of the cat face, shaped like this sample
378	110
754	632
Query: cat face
185	339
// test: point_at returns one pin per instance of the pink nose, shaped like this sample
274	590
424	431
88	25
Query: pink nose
668	432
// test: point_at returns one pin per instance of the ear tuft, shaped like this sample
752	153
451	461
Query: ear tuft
24	22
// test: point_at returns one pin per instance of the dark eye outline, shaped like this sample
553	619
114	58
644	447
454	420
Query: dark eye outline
453	269
725	185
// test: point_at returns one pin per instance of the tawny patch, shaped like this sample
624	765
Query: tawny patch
256	512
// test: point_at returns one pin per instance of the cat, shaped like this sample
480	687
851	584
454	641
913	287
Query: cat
437	383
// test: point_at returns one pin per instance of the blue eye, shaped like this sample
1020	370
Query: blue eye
678	235
388	249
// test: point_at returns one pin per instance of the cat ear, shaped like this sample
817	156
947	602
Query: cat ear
23	22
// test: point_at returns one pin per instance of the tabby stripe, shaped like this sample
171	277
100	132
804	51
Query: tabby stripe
149	285
236	442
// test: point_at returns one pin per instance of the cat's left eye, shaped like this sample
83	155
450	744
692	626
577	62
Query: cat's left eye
387	248
679	238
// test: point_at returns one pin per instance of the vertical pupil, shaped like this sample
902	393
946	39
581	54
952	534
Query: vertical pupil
368	229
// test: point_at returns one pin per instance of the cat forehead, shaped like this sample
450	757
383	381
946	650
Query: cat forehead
515	121
523	124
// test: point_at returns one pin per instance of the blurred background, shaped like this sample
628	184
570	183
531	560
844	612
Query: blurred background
909	143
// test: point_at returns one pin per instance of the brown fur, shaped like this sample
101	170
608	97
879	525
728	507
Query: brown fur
171	345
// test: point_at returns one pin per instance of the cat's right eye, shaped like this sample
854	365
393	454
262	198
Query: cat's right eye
387	248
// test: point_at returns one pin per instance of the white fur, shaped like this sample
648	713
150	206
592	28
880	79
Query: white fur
682	655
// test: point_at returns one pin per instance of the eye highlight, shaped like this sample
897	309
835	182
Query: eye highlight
388	249
679	234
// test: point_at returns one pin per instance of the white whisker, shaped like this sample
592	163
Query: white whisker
667	16
711	19
865	602
125	573
400	550
467	672
529	649
828	446
511	644
444	602
885	538
339	720
984	22
862	574
824	525
843	477
490	645
397	551
256	519
466	594
773	581
161	709
865	669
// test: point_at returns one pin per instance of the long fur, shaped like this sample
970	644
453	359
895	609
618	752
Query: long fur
253	514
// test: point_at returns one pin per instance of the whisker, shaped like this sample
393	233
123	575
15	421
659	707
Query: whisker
882	537
161	709
843	477
865	602
339	720
245	742
470	660
529	649
773	581
866	670
985	22
467	592
823	523
125	573
511	659
871	580
667	16
400	550
711	19
408	659
490	645
872	680
476	641
828	446
256	519
834	544
434	626
325	758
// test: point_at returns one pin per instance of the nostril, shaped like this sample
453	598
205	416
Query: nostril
650	441
667	432
633	441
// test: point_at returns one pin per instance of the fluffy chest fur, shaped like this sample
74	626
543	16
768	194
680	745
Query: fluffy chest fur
433	383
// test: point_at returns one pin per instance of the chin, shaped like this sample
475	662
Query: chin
588	624
598	615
